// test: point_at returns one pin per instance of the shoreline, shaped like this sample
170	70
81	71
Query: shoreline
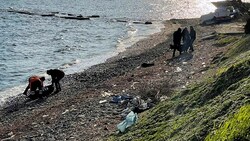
146	43
75	113
15	91
74	85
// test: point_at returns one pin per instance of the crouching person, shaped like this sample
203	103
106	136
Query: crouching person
56	76
35	84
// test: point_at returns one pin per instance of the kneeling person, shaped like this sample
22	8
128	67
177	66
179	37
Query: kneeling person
35	82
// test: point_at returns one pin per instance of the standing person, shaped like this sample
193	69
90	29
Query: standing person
193	37
247	27
177	41
35	82
186	39
56	76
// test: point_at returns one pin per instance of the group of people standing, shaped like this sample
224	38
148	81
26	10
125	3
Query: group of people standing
36	83
187	38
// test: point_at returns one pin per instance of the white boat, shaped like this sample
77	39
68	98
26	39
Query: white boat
234	3
221	14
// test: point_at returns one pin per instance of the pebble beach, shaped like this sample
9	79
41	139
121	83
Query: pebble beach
76	113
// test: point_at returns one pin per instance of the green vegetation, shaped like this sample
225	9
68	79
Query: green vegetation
236	128
239	47
225	40
204	110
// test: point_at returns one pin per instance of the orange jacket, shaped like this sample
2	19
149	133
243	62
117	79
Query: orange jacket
33	79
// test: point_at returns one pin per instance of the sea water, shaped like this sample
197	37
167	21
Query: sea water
31	44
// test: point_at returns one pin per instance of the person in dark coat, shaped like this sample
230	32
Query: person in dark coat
193	37
186	39
177	41
35	83
56	76
247	27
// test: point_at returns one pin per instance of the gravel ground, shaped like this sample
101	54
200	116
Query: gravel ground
76	114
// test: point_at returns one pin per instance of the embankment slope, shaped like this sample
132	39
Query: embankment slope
216	108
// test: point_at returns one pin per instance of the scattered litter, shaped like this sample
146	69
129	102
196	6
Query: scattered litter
125	112
106	94
102	101
120	98
204	64
178	69
163	98
131	119
139	105
10	133
184	63
66	111
44	116
133	85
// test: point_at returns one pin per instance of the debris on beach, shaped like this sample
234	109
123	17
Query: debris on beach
91	92
106	94
178	69
131	119
145	65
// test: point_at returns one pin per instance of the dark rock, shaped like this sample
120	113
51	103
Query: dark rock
94	16
145	65
147	22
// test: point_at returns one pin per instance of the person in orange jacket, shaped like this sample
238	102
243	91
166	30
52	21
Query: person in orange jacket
35	82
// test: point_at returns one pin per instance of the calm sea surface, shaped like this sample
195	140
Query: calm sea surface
31	44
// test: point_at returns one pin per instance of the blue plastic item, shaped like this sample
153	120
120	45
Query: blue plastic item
131	119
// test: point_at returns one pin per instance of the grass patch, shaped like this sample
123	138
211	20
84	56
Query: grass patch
197	112
225	40
236	128
239	47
